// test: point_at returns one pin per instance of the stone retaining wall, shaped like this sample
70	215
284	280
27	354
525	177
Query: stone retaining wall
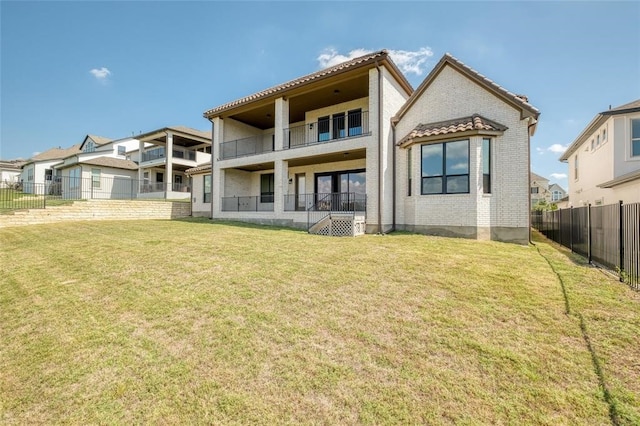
98	210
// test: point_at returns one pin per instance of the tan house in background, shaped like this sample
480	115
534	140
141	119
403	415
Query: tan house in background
604	160
541	189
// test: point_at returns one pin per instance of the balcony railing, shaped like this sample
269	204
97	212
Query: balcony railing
247	204
147	187
337	202
248	146
353	124
156	153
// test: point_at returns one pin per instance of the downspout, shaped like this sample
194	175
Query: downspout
394	122
532	122
379	148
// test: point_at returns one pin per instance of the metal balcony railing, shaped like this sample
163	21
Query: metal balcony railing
259	203
248	146
331	129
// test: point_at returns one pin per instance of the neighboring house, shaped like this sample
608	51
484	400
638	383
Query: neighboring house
96	177
451	158
541	189
38	172
604	160
166	154
538	188
10	172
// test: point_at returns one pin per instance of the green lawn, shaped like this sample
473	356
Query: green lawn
179	322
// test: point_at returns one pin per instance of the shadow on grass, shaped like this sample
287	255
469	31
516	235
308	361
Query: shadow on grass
238	224
575	258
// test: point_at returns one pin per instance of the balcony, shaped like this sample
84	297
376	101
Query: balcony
248	146
260	203
328	129
337	202
157	153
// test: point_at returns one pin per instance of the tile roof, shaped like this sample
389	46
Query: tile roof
200	169
521	101
464	124
116	163
184	129
353	63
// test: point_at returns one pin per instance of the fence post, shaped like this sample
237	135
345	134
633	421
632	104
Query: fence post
621	236
589	231
571	228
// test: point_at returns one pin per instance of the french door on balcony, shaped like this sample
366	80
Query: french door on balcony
340	190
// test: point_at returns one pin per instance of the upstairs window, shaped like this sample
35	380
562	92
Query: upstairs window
445	168
635	138
575	168
122	150
323	129
89	146
355	122
534	190
338	125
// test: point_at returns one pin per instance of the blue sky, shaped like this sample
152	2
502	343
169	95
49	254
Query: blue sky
68	69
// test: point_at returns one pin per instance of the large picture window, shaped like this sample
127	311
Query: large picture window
635	138
266	188
206	198
445	168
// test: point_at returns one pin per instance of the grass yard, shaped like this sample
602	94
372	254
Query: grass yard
176	322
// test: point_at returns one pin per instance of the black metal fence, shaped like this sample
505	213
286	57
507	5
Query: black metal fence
607	235
30	195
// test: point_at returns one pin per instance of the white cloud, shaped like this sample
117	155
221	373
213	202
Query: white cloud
558	175
557	148
540	150
408	61
101	74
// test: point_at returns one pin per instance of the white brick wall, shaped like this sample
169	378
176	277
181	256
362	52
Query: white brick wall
452	95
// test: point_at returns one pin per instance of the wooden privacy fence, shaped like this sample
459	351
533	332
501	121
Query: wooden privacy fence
606	235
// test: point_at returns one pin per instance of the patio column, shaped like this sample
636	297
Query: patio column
281	122
169	165
217	177
140	151
281	182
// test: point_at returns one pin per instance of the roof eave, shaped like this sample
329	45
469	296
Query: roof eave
443	137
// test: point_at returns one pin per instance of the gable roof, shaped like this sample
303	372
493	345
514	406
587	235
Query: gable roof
116	163
474	123
534	177
599	120
282	89
99	140
55	154
519	102
182	130
628	177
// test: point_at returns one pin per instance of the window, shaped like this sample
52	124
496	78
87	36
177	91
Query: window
409	172
338	125
95	178
575	168
604	135
30	175
74	177
635	137
323	129
597	141
534	190
48	175
486	165
445	168
207	189
556	195
266	187
122	150
592	145
159	177
355	122
89	147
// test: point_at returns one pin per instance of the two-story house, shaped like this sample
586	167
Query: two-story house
541	189
604	160
354	147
